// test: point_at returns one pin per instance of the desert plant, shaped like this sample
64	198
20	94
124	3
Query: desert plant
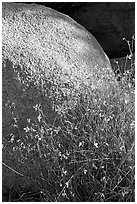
87	154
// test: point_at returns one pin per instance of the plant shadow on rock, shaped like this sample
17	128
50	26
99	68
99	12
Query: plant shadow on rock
83	154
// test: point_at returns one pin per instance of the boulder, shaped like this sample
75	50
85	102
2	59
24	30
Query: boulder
50	65
43	46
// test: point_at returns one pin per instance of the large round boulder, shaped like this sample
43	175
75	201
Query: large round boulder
50	65
48	50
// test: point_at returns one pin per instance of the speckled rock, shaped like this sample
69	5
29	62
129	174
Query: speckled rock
42	46
50	64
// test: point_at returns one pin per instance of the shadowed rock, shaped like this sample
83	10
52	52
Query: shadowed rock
50	65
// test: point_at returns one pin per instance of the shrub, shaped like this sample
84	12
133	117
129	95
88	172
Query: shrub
87	154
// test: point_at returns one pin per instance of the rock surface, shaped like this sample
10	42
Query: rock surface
50	64
109	22
51	47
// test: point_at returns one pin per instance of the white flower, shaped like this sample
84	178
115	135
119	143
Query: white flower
85	171
81	143
96	144
27	129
